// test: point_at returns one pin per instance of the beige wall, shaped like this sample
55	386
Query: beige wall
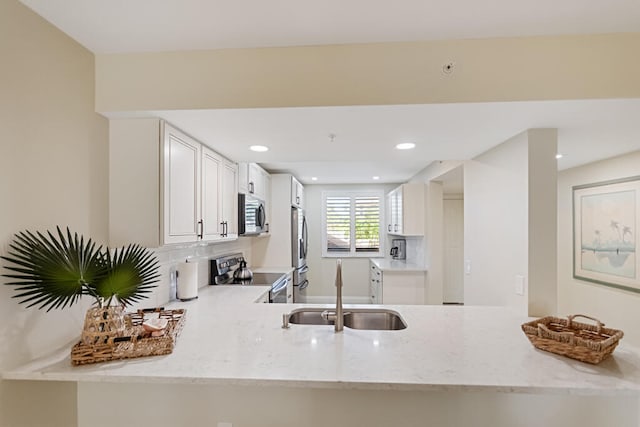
509	69
201	405
53	170
618	309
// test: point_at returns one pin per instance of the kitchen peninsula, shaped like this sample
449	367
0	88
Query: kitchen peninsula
451	365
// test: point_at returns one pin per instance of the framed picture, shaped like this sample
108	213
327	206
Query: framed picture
605	225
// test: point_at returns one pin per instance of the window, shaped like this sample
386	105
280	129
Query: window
351	223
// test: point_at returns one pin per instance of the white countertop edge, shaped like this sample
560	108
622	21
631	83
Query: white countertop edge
386	264
323	384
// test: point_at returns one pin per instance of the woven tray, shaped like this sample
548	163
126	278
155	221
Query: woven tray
580	341
136	342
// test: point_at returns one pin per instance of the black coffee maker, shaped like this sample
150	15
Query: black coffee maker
399	249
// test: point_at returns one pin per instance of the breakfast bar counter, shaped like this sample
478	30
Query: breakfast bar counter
229	341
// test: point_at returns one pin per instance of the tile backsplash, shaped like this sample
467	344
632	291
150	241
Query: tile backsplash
169	257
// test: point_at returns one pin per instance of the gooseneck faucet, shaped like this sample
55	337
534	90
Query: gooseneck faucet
337	316
339	313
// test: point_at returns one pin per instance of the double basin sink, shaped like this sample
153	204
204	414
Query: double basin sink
354	318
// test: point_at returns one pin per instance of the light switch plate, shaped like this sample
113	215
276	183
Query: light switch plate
467	266
519	285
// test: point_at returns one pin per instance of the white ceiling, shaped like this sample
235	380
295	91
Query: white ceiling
107	26
365	136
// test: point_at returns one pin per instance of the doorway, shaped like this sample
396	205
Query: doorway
453	236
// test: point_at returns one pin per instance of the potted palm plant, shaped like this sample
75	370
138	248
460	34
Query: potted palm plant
52	271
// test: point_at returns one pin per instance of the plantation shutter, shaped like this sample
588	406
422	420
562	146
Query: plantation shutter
367	223
338	219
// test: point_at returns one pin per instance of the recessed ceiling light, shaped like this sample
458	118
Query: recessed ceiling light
314	178
405	146
558	156
375	178
259	148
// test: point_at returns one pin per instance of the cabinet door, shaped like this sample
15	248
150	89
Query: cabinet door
212	166
297	193
403	288
181	187
230	198
243	178
399	207
375	284
256	184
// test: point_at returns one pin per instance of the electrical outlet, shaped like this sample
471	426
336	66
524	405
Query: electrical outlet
519	285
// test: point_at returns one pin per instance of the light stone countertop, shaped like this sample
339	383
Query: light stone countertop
283	270
228	340
386	264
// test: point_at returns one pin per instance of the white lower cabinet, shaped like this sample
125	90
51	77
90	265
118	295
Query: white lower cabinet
395	286
290	288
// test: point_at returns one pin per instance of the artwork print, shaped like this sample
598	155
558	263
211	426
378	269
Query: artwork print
605	233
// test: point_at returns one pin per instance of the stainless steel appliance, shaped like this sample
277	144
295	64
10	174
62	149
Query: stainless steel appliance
252	215
398	249
299	248
222	272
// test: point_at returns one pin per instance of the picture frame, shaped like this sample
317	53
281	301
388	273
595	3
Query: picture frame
606	218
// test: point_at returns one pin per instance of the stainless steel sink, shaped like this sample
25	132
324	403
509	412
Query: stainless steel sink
354	318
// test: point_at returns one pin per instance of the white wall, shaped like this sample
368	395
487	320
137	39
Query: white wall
505	205
355	271
53	170
618	309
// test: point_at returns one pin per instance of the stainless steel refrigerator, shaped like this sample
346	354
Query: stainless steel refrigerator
299	248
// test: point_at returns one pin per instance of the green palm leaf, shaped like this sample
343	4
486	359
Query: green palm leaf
132	273
54	271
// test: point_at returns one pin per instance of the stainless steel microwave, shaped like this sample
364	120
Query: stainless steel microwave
252	215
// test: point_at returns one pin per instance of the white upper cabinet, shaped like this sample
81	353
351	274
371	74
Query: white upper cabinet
182	184
165	187
297	193
230	198
252	179
405	210
257	181
219	196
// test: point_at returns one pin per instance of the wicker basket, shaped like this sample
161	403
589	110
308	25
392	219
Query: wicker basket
580	341
135	341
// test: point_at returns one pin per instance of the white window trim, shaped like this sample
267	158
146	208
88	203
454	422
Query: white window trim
381	230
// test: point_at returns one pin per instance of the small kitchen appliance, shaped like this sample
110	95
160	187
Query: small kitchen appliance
232	270
299	248
252	215
398	249
242	272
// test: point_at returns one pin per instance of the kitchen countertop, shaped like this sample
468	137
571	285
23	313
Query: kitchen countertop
228	340
283	270
386	264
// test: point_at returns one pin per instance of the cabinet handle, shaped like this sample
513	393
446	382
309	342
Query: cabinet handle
226	229
251	189
201	227
297	200
395	227
266	227
222	230
389	227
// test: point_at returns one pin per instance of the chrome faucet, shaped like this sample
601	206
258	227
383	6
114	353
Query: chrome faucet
338	315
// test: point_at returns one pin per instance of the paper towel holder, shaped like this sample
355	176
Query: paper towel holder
187	288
